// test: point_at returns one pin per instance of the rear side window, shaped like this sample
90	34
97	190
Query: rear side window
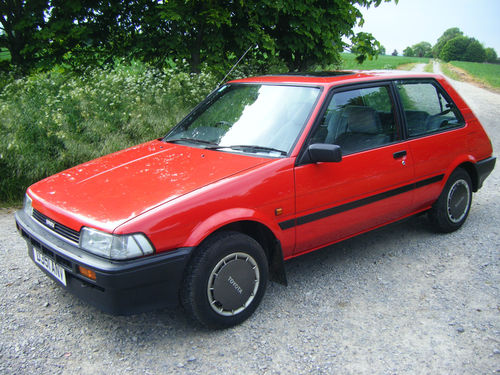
427	109
358	119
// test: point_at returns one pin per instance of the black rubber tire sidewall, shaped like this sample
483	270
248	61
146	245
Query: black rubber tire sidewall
194	297
438	215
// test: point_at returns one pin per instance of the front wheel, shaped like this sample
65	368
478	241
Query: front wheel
452	207
225	280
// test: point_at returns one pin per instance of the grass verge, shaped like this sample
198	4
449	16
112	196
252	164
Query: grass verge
449	72
429	67
406	67
483	72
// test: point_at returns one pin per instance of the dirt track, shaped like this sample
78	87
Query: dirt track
398	300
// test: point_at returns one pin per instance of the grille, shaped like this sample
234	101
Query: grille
63	231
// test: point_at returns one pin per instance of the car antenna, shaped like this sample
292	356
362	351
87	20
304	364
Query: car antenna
234	66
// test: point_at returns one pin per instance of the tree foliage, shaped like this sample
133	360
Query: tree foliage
491	55
365	46
454	45
454	49
422	49
462	48
408	52
20	22
300	33
447	35
475	51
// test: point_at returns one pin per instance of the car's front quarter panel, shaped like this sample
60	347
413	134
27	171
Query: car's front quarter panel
264	194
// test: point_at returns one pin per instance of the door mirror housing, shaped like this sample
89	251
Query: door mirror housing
325	153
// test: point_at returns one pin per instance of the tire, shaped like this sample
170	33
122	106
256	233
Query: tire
225	281
452	207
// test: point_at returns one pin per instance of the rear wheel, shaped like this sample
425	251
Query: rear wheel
453	205
225	281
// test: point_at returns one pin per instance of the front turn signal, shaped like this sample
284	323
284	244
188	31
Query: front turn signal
86	272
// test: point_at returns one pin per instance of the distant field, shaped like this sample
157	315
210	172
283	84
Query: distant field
488	73
382	62
4	54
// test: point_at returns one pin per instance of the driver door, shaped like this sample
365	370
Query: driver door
371	186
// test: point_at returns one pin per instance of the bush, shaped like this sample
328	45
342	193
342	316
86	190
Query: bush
463	48
52	121
454	49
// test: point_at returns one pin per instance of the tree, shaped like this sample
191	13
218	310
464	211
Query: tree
475	51
447	35
394	53
408	52
463	48
382	50
491	55
211	32
454	48
20	22
364	46
300	33
422	49
41	33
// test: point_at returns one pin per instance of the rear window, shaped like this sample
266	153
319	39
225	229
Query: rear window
427	109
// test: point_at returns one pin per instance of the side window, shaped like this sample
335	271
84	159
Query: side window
358	119
426	108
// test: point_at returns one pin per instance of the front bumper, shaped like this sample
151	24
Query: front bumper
121	287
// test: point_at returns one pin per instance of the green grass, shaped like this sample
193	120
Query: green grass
52	121
487	73
448	72
4	54
429	68
382	62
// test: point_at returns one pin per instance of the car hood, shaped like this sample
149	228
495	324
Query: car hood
106	192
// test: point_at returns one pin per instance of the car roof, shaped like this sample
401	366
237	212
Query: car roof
328	78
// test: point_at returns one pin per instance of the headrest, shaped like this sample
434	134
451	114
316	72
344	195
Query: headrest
362	120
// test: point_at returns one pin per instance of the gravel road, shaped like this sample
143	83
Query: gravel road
400	300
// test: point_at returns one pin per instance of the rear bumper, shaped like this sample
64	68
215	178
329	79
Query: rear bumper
483	169
121	287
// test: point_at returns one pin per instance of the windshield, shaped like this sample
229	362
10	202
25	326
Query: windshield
264	119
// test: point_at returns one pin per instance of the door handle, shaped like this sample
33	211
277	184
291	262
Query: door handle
399	154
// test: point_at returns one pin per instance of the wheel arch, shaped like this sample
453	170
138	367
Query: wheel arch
266	238
466	162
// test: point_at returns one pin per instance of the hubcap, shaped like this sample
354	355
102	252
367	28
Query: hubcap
458	201
233	283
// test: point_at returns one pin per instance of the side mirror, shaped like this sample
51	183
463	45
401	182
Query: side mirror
323	152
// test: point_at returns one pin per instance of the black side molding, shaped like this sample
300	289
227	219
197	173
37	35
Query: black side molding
300	220
483	169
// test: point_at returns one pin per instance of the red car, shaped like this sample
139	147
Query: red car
265	169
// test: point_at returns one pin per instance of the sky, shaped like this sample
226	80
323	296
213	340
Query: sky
413	21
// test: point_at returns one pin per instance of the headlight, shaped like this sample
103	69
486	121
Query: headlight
28	208
115	246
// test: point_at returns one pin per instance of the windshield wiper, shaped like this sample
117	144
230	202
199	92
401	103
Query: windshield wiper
215	146
192	140
249	148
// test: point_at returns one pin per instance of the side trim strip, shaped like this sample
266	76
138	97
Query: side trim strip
356	204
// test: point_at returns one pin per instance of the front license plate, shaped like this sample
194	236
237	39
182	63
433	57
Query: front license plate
52	267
